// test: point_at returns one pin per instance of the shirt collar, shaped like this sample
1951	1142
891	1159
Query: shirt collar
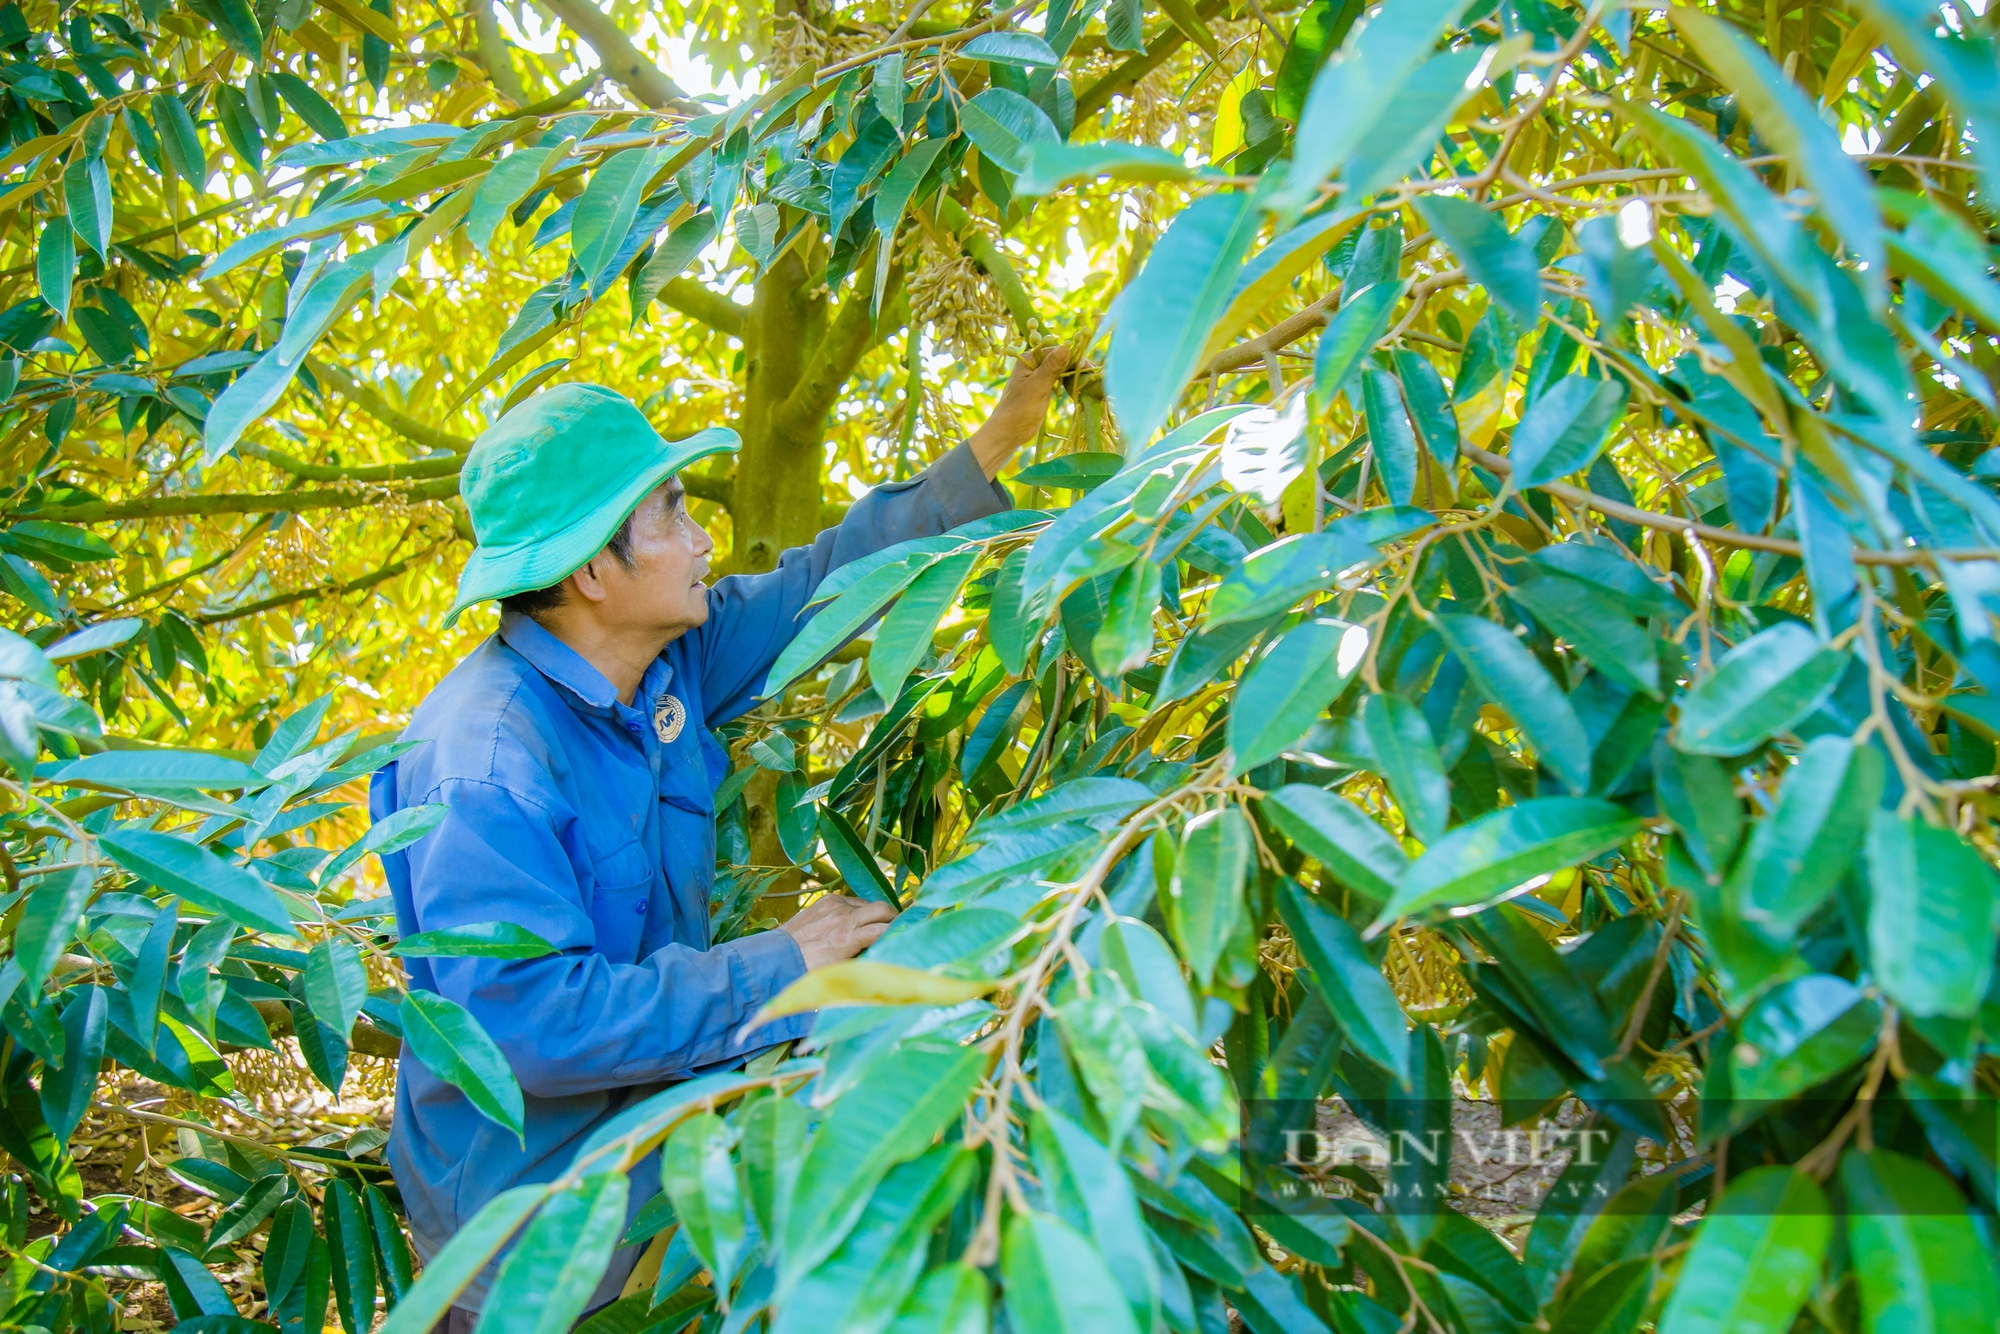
557	660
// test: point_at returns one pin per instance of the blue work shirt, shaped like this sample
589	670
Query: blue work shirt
571	817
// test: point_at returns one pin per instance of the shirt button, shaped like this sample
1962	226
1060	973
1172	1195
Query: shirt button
642	907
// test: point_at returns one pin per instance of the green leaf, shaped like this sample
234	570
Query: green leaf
1205	897
1349	981
1361	322
1124	639
671	258
1022	49
1801	850
1787	120
548	1277
1961	60
1430	408
950	1300
1564	428
1508	847
697	1172
1799	1036
93	639
391	1250
199	876
459	1261
1612	571
904	638
899	187
474	940
1318	34
1596	626
244	1216
1765	685
353	1253
452	1046
1056	1280
336	985
1274	578
1696	793
1087	799
1354	91
1096	1197
1164	315
1407	127
318	113
1051	166
507	185
55	265
392	833
606	209
1589	1183
179	140
1407	758
1932	918
889	1117
87	195
1005	126
1511	677
66	1093
1390	435
237	21
48	922
1340	836
318	223
851	857
861	1285
1943	253
1921	1263
773	1144
1506	266
840	620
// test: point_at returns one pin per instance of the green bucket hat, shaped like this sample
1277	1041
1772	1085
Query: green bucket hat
549	483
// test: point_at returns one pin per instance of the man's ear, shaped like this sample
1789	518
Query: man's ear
586	583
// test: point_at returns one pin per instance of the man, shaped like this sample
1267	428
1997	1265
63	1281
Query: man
573	752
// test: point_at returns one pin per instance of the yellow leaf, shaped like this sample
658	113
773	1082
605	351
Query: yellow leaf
1229	115
859	982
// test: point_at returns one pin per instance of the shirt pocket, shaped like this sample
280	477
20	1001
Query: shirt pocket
619	899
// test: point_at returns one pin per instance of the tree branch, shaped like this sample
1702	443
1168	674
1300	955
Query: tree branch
361	585
379	472
1725	537
621	59
285	502
1163	44
705	304
1252	351
366	1039
847	339
378	407
495	54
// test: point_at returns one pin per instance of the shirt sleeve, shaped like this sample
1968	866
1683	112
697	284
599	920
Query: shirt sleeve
752	617
574	1022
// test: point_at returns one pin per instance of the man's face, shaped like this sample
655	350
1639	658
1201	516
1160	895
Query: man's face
664	589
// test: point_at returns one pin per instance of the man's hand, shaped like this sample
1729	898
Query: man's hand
833	928
1023	404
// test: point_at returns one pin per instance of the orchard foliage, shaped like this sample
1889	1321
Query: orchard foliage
1507	611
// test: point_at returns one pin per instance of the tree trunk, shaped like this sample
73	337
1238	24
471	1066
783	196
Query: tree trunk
776	502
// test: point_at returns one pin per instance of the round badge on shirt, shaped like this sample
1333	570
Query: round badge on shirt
669	716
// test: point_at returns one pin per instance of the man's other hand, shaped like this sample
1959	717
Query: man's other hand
834	927
1023	404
